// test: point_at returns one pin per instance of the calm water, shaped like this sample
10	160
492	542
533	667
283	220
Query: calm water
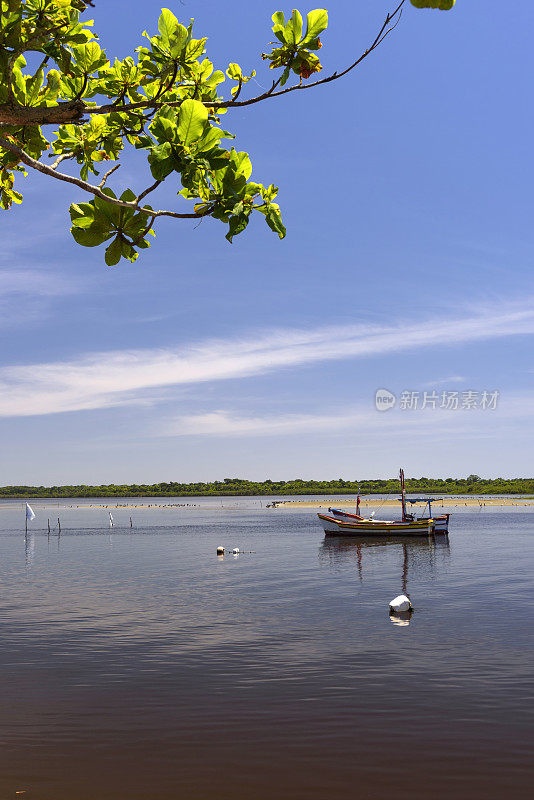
136	664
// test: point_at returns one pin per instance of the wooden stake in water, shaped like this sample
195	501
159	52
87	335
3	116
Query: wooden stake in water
131	525
59	525
49	526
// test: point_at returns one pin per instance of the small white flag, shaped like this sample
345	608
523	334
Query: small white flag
110	520
29	512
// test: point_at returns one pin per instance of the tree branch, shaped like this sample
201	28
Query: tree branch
381	35
73	111
88	187
383	32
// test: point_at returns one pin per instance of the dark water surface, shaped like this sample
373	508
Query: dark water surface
136	664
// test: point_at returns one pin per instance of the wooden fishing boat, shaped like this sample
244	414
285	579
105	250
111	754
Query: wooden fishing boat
346	524
370	527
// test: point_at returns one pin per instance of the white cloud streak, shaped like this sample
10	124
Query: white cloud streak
34	282
357	420
107	379
27	294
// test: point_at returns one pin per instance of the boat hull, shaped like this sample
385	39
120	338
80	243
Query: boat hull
441	522
368	527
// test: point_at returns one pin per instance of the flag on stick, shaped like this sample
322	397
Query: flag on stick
29	516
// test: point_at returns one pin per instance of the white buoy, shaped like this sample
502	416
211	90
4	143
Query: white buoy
235	551
400	603
220	550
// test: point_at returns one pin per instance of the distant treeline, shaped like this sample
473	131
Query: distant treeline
239	486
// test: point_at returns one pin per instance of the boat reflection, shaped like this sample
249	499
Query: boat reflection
422	555
426	552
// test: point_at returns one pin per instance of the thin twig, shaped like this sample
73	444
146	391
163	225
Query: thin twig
147	191
383	32
155	105
106	176
61	158
88	187
144	232
238	91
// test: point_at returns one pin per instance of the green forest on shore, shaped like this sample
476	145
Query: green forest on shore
240	486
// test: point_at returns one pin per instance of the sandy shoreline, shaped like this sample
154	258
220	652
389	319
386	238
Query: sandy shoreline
269	503
392	502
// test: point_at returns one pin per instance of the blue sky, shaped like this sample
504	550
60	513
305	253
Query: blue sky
406	191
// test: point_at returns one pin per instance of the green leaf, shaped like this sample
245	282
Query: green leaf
161	161
216	79
167	24
234	71
237	225
164	129
279	25
107	213
82	211
195	49
33	86
210	138
128	196
136	225
89	238
113	252
127	251
274	220
89	57
179	41
191	119
285	75
317	22
293	29
243	164
19	84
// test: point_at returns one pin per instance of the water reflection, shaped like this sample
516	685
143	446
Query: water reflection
400	618
425	554
133	671
29	548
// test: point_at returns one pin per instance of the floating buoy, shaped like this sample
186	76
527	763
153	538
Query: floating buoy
400	603
235	551
220	550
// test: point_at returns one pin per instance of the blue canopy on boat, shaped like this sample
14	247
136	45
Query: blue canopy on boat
421	499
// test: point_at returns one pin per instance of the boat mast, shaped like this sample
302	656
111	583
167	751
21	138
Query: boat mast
403	494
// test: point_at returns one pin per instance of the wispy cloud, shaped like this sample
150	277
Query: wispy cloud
446	381
27	294
34	282
358	420
114	378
